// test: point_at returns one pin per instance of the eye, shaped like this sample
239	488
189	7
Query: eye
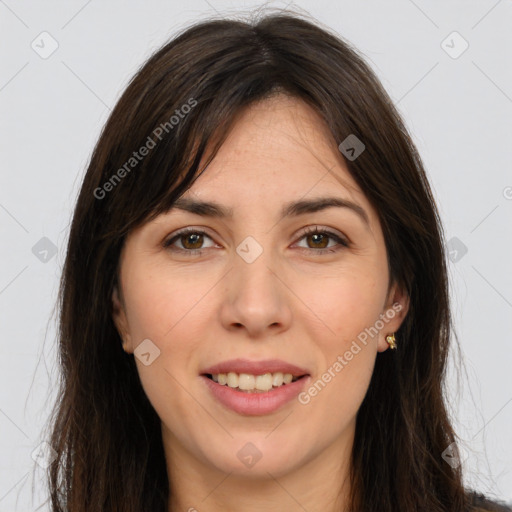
192	239
319	238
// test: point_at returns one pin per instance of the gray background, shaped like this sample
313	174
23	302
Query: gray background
458	110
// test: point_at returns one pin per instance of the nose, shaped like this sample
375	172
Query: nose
257	297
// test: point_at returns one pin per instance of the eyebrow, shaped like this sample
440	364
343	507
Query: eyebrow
291	209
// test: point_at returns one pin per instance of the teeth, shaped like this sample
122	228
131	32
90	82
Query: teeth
248	382
232	380
263	382
277	379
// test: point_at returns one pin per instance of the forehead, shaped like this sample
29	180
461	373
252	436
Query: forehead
278	150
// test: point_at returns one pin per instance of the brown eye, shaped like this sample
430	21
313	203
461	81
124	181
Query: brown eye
194	239
317	241
191	241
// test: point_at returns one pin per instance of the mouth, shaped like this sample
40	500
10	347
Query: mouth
240	393
250	383
251	388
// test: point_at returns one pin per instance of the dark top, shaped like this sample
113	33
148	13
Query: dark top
480	502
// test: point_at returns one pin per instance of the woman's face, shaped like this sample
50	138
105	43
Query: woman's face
253	285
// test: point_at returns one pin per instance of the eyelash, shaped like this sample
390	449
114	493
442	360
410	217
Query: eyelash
308	231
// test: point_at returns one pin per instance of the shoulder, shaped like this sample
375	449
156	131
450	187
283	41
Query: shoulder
478	502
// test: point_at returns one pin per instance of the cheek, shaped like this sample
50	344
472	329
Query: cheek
163	308
161	303
345	305
166	309
348	308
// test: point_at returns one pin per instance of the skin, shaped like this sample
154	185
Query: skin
291	303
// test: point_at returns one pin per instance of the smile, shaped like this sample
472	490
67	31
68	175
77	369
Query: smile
253	383
254	402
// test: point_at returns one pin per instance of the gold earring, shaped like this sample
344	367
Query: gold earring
390	339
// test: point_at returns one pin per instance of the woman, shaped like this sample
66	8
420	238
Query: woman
254	304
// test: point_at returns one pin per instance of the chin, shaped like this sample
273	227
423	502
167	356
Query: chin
255	456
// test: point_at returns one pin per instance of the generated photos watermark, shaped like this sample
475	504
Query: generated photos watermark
343	360
145	149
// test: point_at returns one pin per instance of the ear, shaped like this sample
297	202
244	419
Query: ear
120	320
393	314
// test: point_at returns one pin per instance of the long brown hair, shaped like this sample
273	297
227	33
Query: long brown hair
104	430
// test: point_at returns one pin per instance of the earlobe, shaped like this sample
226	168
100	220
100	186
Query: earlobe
120	321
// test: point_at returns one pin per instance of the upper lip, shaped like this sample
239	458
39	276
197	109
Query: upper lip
255	367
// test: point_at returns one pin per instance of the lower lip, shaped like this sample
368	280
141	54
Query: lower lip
255	404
